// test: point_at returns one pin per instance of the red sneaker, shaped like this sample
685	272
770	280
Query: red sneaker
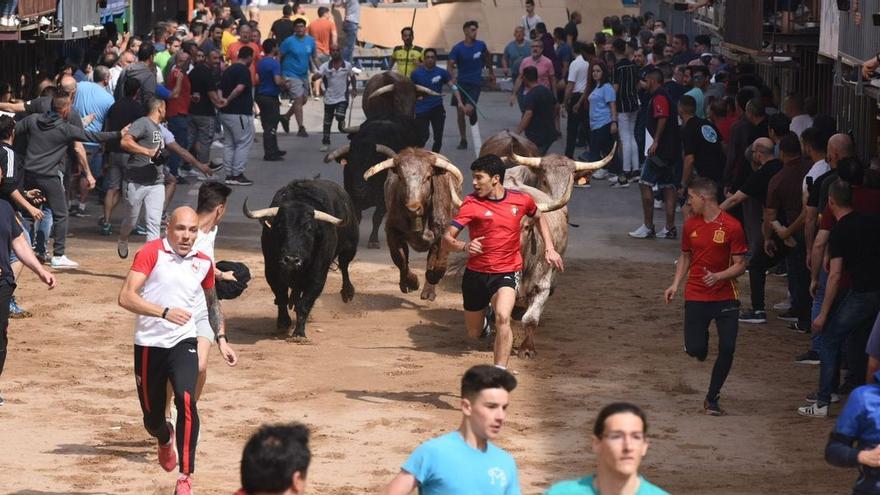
184	485
167	456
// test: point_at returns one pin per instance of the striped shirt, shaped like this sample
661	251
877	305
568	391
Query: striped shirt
626	74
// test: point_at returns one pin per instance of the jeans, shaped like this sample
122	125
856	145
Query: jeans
852	319
816	338
350	29
434	118
799	282
576	120
627	125
7	7
238	137
333	111
152	198
270	115
601	142
179	127
56	198
42	231
201	135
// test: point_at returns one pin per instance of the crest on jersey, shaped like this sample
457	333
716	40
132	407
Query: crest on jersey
514	210
709	134
718	237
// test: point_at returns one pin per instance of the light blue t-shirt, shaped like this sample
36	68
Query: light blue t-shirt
295	56
697	93
584	486
600	109
468	61
92	98
447	465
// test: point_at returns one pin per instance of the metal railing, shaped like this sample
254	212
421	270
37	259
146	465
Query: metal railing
857	114
859	42
680	22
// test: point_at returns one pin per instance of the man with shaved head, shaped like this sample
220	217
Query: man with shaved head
752	195
161	288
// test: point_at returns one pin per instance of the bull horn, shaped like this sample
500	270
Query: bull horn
326	217
259	214
337	153
527	161
379	167
385	150
543	200
587	166
351	130
426	91
456	201
381	91
442	162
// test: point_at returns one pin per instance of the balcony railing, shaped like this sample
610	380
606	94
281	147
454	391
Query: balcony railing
859	38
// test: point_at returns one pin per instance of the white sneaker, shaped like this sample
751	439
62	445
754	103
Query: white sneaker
612	178
217	145
782	306
14	22
324	147
814	411
642	232
63	262
4	21
658	204
600	174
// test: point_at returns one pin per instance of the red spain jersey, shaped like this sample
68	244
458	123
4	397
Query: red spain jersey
498	222
712	246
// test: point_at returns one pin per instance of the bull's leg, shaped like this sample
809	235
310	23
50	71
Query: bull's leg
400	255
306	300
378	214
347	291
437	262
281	300
532	316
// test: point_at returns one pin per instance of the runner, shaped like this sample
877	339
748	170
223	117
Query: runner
465	461
620	442
162	289
713	248
466	62
493	215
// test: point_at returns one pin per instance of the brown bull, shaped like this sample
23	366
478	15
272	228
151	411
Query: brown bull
549	180
505	142
422	196
390	94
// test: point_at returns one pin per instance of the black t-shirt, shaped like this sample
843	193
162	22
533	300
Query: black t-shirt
283	28
626	74
818	197
11	171
571	29
202	80
243	104
856	239
9	230
120	114
702	139
541	129
759	181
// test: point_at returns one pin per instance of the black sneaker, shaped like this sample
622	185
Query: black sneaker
778	270
232	180
711	407
809	357
487	323
285	123
462	145
272	158
302	132
798	327
244	181
753	316
789	315
668	233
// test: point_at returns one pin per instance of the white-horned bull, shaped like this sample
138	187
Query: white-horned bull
422	195
549	180
309	224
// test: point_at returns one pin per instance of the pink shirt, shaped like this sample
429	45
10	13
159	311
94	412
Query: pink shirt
544	66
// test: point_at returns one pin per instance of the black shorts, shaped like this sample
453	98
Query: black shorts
477	288
473	95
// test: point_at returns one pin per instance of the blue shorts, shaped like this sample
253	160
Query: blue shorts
664	177
473	94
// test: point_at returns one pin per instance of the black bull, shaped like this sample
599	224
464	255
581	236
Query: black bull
309	224
369	145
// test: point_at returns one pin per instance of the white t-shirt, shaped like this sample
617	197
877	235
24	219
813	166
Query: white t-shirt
579	74
336	81
799	123
816	170
204	244
529	23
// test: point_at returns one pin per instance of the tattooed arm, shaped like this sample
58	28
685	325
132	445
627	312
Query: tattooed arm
218	324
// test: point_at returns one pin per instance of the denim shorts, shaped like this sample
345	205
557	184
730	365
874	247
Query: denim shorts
662	177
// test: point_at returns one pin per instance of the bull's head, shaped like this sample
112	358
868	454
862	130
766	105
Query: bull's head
415	168
294	226
341	154
390	92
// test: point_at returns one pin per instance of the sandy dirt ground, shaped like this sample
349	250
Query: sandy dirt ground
382	374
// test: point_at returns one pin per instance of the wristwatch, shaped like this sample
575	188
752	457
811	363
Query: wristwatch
221	336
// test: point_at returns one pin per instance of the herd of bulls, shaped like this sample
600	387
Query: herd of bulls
312	223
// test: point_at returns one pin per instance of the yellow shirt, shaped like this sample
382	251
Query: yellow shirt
227	40
406	61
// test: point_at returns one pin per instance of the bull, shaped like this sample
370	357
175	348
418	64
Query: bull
375	140
308	225
422	195
391	94
549	180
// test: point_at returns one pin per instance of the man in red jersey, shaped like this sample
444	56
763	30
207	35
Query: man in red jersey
713	250
493	215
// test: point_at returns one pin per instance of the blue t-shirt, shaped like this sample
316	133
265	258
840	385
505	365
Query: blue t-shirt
447	464
515	55
469	61
433	79
584	486
92	98
600	110
295	56
860	417
267	69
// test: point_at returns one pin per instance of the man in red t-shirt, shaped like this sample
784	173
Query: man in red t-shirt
177	107
713	248
493	215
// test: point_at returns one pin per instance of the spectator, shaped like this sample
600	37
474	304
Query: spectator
323	30
405	58
549	47
237	116
574	100
297	52
92	99
778	125
172	46
571	29
125	59
437	465
530	20
853	441
723	116
177	109
276	461
701	143
602	101
703	45
793	107
229	37
349	26
338	77
698	81
626	78
751	125
466	62
246	38
682	50
205	94
664	159
144	70
514	53
620	442
122	113
429	109
267	93
283	27
542	65
537	119
215	42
